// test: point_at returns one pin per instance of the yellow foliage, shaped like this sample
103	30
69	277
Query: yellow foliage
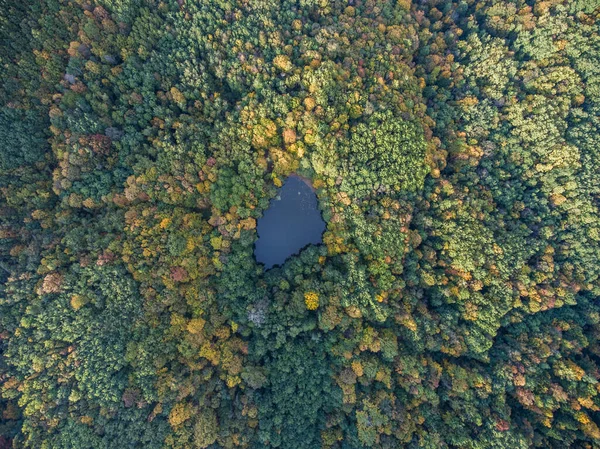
557	199
232	381
77	301
309	103
93	67
357	368
178	321
582	417
547	422
353	312
468	102
588	403
248	223
471	312
343	198
190	244
309	137
222	332
263	133
209	352
88	420
216	242
408	322
217	263
282	62
311	299
195	325
165	222
591	430
201	187
177	95
180	414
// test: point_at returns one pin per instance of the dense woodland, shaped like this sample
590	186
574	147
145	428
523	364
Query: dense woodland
454	146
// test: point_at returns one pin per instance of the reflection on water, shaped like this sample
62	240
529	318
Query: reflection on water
291	222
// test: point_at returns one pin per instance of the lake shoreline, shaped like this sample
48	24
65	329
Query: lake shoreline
305	180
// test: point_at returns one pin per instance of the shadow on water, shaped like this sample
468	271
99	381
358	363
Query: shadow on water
291	222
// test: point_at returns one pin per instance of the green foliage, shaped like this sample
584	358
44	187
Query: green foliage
385	154
22	139
453	146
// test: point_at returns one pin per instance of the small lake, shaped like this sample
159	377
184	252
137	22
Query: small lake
291	222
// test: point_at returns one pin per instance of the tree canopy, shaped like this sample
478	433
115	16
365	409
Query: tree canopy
454	147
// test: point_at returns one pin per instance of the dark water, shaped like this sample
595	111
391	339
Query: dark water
291	222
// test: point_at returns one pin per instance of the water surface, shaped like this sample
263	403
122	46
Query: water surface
291	222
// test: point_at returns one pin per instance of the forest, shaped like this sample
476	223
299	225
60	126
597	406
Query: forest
454	148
